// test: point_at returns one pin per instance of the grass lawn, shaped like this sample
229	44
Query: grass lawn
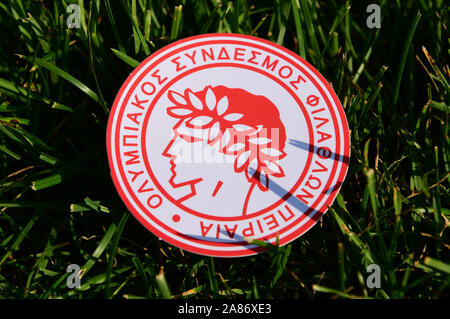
58	205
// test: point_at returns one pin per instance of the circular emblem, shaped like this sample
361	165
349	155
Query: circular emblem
218	139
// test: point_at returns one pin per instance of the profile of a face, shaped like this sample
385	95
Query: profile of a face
226	145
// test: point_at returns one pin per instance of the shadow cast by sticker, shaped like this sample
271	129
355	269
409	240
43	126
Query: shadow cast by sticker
307	147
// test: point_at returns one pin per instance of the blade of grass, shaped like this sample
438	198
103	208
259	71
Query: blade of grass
125	58
405	52
163	286
13	90
337	292
341	262
437	264
437	203
21	236
311	31
212	277
281	264
147	25
298	27
283	16
398	221
374	203
47	182
136	29
99	250
353	238
235	22
53	68
113	252
135	35
92	36
176	22
113	25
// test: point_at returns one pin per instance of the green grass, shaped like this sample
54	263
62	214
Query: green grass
58	204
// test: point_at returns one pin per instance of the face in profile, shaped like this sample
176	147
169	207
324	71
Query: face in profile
226	144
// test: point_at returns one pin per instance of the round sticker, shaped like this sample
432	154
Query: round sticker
219	139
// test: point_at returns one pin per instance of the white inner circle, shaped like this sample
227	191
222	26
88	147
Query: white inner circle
229	199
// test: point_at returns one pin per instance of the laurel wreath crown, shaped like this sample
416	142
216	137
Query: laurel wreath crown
250	144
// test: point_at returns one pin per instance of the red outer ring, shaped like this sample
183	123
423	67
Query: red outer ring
246	251
214	243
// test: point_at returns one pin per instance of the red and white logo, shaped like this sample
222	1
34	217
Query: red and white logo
221	138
